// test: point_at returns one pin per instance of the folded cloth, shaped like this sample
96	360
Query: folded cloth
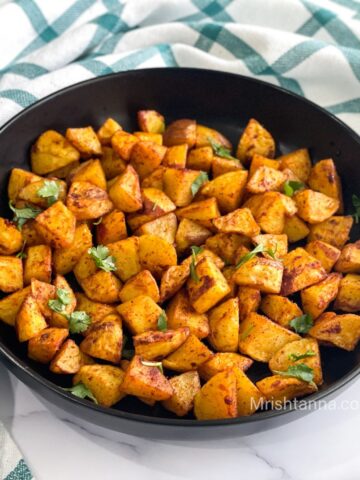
12	465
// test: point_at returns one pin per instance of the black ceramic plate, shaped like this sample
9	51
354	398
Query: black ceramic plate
222	101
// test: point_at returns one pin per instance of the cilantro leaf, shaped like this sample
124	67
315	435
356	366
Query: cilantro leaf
50	190
246	333
63	298
258	249
292	186
356	204
79	390
102	259
300	371
198	182
294	357
21	215
162	322
302	324
158	365
221	151
98	221
194	252
22	253
79	321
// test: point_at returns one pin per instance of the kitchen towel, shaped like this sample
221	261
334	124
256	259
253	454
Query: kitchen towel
12	465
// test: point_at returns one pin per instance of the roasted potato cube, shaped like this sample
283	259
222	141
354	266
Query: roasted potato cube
149	137
220	166
126	254
200	158
156	254
261	273
143	283
300	271
158	345
223	361
146	381
316	299
266	179
185	387
123	143
37	264
102	287
334	230
107	130
145	157
65	259
125	191
190	233
298	162
151	121
201	211
249	397
11	274
217	399
85	267
104	339
87	202
255	140
31	235
228	189
178	184
64	172
164	227
258	161
68	360
295	229
260	338
155	179
348	298
91	172
58	319
343	331
111	228
180	314
179	132
175	156
57	225
30	193
280	309
226	245
324	252
52	151
278	244
140	314
95	310
315	207
10	238
172	280
189	356
43	292
239	221
324	178
269	211
29	320
224	326
43	346
204	135
249	301
84	140
111	163
349	259
278	388
304	351
18	180
10	305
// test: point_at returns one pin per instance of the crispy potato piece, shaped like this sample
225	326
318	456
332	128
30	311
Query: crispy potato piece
315	207
43	292
104	382
224	326
90	172
258	161
10	305
334	230
261	273
18	180
11	274
151	121
43	346
349	259
266	179
84	140
298	162
10	238
37	264
223	361
85	267
31	236
201	211
96	310
149	137
255	140
140	314
68	360
175	156
185	387
295	229
146	381
280	309
200	159
29	320
178	183
189	356
206	134
217	399
172	280
146	157
155	204
180	314
155	345
179	132
249	301
127	260
87	202
348	298
57	225
111	228
155	179
52	151
104	339
111	163
288	355
269	211
57	319
249	397
107	130
228	189
102	287
64	172
164	227
316	299
156	254
220	166
226	245
239	221
324	252
343	331
301	270
190	233
260	338
30	192
65	259
125	191
324	178
143	283
123	143
280	389
278	244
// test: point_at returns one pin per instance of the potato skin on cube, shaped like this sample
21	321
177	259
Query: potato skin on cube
151	121
179	132
57	225
11	274
185	387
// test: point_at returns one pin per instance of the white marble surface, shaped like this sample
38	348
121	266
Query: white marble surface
320	446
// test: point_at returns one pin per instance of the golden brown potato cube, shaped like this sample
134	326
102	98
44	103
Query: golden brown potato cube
266	179
31	235
107	130
228	189
91	172
249	301
343	331
10	305
298	162
104	382
208	288
334	230
278	388
125	191
258	161
43	292
223	361
155	345
111	228
65	259
149	137
179	132
200	211
164	227
68	360
205	135
104	339
102	287
226	245
52	151
95	310
190	233
348	298
43	346
87	202
349	259
175	156
249	397
111	163
255	140
57	225
37	264
84	140
269	211
200	159
324	178
18	180
178	183
180	314
145	157
304	351
172	280
10	238
143	283
324	252
239	221
220	166
151	121
260	338
140	314
30	193
58	319
155	179
315	207
217	399
123	143
11	274
146	381
156	254
278	244
185	387
64	172
29	320
85	267
316	299
224	326
295	229
189	356
126	254
261	273
280	309
301	270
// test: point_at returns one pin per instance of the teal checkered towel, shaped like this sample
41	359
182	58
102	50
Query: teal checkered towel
311	47
12	465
